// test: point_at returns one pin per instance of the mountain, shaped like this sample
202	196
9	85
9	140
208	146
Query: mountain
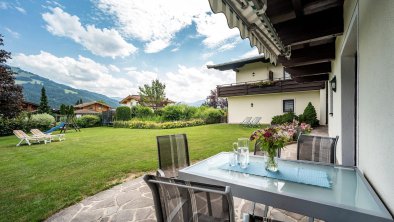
57	93
195	103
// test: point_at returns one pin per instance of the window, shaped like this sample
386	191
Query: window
288	105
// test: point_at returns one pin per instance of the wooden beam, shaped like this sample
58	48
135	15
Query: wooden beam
309	55
313	78
321	5
307	70
325	24
298	9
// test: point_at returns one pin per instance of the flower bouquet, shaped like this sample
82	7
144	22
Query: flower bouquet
272	139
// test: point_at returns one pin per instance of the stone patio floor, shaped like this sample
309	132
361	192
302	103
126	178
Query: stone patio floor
132	201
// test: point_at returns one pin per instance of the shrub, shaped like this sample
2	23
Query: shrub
88	121
178	112
123	113
285	118
209	114
141	111
7	125
309	116
159	112
138	124
41	121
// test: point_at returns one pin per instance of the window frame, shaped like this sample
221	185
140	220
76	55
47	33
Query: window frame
283	105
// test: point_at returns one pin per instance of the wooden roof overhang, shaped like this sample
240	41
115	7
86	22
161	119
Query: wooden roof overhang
306	30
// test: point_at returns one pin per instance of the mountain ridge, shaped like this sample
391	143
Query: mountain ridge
57	93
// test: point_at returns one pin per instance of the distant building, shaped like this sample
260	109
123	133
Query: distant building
29	106
90	108
133	100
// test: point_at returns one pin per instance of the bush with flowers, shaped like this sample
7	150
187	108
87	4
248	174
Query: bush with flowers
296	128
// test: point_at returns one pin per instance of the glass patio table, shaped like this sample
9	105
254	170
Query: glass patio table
350	197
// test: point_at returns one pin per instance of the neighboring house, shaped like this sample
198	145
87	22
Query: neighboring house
82	112
133	100
130	100
29	106
265	90
348	44
85	108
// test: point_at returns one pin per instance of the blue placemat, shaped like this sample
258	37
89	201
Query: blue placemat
293	174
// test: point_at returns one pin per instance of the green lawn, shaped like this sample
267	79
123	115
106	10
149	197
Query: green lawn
39	180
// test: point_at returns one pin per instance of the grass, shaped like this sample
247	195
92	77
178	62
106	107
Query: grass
39	180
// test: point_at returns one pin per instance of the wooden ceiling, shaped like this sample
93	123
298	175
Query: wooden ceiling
309	27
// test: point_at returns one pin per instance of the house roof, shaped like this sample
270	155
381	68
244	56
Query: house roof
30	103
90	103
130	97
85	111
238	63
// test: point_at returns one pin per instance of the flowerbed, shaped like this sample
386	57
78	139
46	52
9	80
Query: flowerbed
137	124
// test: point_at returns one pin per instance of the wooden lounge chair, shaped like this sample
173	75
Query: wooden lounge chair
37	132
28	139
246	121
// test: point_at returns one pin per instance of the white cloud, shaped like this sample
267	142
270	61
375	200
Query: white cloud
13	33
20	9
102	42
189	84
251	53
157	22
82	73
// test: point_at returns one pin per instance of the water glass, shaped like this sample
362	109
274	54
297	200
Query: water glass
232	159
243	158
243	144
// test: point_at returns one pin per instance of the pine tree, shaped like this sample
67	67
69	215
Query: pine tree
44	107
11	96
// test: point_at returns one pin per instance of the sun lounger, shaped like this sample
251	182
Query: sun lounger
246	121
37	132
255	121
28	139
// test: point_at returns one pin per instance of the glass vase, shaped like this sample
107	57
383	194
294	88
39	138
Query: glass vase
271	164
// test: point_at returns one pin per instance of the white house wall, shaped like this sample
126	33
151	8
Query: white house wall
260	70
375	143
269	105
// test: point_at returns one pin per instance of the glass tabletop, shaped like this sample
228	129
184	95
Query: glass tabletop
349	188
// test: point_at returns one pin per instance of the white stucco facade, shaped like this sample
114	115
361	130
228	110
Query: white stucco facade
369	29
269	105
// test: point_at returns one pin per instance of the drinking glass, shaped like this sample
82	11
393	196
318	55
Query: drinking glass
243	158
243	146
232	159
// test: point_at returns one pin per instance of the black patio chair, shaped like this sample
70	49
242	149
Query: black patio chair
316	148
178	201
173	153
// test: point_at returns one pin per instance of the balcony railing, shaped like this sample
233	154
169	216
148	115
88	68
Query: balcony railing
266	87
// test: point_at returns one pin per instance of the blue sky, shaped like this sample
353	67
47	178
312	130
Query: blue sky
114	46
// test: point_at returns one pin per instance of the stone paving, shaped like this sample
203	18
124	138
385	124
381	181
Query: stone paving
132	201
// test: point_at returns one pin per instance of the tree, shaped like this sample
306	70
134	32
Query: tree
63	110
213	100
11	96
79	101
44	107
153	95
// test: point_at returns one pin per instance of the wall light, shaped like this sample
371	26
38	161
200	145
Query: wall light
251	104
333	84
253	73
